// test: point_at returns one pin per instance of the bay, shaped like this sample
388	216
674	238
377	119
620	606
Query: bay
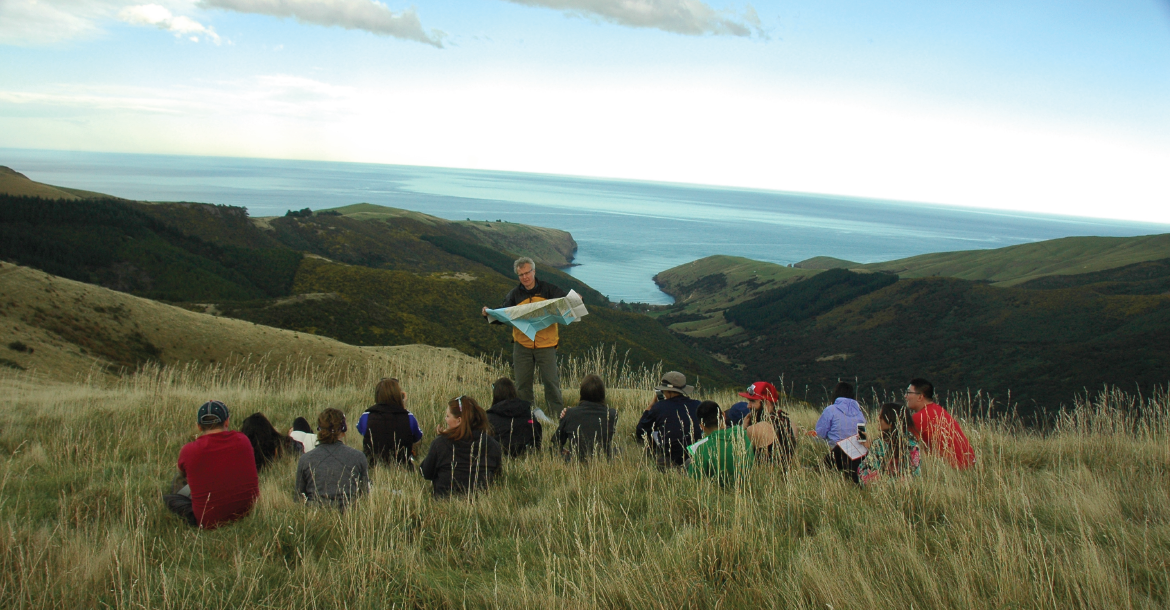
626	230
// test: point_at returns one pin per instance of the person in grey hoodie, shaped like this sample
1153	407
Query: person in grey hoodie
839	421
333	474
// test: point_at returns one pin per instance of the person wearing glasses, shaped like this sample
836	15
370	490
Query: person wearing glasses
464	457
934	428
529	356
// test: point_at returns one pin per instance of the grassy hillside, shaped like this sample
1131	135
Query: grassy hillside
546	246
114	244
1017	264
1150	277
63	329
705	288
825	262
552	247
1076	518
1041	345
15	183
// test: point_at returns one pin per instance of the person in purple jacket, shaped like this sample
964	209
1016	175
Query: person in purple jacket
389	432
837	422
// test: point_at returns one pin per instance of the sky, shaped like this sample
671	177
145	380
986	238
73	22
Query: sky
1031	105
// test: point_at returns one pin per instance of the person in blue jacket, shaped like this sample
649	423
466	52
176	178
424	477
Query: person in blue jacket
839	421
670	423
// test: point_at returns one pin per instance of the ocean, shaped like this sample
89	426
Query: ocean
626	231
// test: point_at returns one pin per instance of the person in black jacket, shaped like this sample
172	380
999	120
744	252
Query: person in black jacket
670	423
512	421
389	432
539	355
588	427
464	457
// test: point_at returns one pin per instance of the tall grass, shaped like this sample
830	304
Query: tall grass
1076	517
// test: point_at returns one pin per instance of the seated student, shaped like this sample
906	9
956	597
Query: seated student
723	453
464	457
511	420
769	427
303	434
935	429
837	422
669	424
389	432
217	480
332	474
588	427
893	453
756	394
268	444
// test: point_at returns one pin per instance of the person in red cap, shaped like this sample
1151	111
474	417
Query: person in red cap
217	480
766	424
755	394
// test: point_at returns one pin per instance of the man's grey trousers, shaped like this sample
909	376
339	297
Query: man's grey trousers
526	362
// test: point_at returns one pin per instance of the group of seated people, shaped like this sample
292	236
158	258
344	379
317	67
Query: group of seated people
218	471
680	431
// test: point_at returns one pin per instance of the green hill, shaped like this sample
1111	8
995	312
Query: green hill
548	247
705	288
826	262
66	330
1017	264
1043	346
1149	277
115	244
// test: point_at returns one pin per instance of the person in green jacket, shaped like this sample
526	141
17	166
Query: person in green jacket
723	453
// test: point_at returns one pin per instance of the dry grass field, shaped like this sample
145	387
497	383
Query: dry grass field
1076	517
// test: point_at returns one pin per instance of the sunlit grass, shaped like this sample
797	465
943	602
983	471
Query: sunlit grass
1074	517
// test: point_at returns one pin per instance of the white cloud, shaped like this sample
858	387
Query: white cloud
160	17
367	15
38	22
691	17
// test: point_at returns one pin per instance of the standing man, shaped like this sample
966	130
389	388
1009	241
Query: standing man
217	480
529	356
938	432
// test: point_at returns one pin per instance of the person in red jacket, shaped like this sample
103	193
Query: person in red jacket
217	480
934	428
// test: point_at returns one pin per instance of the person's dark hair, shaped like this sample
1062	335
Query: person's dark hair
503	389
388	392
267	441
330	426
593	389
844	389
301	424
472	417
709	413
923	386
898	436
